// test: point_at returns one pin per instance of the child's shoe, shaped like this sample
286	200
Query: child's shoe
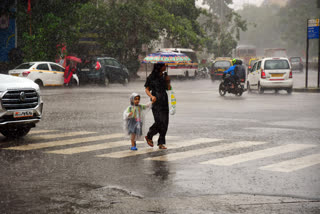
133	148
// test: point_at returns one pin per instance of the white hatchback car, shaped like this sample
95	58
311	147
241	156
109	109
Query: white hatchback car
42	73
270	74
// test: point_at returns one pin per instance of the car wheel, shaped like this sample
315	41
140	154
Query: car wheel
39	82
289	91
260	89
125	81
222	90
15	132
248	88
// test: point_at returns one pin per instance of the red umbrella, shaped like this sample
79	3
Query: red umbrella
73	58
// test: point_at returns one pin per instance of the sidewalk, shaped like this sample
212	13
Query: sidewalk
309	90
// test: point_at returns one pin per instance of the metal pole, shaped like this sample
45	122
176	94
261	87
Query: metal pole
307	56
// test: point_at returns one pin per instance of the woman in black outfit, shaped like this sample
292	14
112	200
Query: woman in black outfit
156	85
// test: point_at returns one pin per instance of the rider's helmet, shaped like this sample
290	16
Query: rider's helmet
234	61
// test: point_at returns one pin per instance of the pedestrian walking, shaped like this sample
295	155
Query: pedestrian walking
134	119
68	72
156	85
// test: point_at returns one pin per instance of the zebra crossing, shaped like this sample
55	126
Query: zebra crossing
114	146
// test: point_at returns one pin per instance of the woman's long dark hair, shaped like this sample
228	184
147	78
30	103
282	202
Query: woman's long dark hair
156	70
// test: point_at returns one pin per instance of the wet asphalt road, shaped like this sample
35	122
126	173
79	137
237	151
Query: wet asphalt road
275	128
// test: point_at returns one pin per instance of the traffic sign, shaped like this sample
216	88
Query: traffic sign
313	29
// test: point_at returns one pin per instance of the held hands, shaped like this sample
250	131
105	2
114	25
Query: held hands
153	99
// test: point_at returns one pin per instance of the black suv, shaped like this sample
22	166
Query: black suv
103	70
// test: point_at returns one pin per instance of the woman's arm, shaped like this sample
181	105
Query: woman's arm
153	98
167	78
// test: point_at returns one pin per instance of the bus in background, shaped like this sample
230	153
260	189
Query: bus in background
244	52
275	52
186	70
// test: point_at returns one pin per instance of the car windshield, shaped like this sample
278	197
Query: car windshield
222	64
252	62
296	59
276	64
25	65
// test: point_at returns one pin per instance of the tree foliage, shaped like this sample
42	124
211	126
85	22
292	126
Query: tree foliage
222	25
52	23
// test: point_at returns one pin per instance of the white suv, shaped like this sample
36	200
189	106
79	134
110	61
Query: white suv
42	73
270	74
20	105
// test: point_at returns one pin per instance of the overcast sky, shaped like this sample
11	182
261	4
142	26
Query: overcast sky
237	4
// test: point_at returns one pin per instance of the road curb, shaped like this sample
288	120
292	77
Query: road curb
307	90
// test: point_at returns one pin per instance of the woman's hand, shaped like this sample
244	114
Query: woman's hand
153	99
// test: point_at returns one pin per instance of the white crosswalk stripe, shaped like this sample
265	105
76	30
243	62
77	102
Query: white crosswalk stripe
235	159
294	164
204	151
110	141
100	146
59	135
65	142
122	154
41	131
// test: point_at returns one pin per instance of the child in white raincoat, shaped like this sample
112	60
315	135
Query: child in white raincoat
134	118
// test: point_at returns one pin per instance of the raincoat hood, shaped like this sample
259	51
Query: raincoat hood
132	96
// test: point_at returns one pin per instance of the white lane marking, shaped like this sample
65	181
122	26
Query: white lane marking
100	146
204	151
181	144
65	142
59	135
41	131
294	164
228	161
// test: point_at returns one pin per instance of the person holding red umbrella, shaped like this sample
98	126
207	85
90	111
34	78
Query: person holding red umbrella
68	72
156	85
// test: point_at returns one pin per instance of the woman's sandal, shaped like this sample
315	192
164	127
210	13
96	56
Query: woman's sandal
161	146
149	142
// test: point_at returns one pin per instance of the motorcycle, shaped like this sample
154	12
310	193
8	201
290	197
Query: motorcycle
225	87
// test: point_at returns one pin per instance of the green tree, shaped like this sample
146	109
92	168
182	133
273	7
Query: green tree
222	25
124	26
52	23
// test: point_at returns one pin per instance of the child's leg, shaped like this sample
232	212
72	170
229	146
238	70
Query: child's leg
133	139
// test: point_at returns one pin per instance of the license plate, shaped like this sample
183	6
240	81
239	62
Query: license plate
15	75
276	75
19	114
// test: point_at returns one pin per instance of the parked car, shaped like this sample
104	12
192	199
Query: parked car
270	74
103	70
218	67
296	63
20	105
42	73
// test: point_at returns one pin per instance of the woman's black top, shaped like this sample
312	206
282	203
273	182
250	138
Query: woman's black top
158	86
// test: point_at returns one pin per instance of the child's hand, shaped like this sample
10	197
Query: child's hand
130	114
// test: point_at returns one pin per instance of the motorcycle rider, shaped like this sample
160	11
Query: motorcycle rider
241	71
232	71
